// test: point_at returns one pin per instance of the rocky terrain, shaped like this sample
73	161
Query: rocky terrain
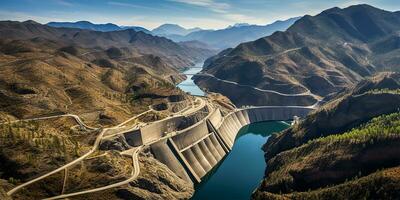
348	148
82	104
64	90
317	56
102	76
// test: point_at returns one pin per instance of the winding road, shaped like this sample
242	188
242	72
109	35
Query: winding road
76	118
135	173
308	93
116	130
102	135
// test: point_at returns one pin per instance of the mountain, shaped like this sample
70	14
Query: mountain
236	34
347	149
136	28
95	27
316	56
137	42
239	25
172	29
69	63
105	78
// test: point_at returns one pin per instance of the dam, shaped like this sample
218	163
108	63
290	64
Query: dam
193	151
192	146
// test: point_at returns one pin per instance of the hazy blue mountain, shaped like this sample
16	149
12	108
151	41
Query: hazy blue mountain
95	27
236	34
239	25
173	30
136	28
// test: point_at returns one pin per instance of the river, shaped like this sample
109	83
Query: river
240	172
188	85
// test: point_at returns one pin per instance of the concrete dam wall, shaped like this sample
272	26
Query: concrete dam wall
154	131
194	151
232	123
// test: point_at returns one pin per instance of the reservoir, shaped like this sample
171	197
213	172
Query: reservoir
240	172
188	85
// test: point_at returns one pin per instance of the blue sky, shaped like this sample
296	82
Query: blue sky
210	14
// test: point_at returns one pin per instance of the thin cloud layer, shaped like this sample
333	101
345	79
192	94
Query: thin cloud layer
207	14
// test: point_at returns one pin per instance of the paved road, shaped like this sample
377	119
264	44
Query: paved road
135	173
308	93
92	150
76	161
270	55
76	118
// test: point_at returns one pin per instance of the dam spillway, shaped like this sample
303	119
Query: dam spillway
192	152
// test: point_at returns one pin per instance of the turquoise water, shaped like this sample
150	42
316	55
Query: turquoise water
239	174
188	85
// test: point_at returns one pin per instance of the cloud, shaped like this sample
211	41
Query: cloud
63	2
223	10
114	3
121	4
209	4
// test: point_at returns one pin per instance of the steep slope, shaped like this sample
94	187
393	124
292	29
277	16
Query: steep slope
347	148
316	56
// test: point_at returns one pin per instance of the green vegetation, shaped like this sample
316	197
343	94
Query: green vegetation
337	158
384	126
40	137
382	184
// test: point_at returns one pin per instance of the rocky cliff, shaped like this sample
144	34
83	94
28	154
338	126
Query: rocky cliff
346	148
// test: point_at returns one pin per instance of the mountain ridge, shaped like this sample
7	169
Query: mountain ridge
233	35
322	53
140	42
95	27
173	29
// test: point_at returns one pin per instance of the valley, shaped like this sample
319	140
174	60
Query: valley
303	108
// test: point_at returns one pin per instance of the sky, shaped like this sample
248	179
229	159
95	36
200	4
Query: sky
206	14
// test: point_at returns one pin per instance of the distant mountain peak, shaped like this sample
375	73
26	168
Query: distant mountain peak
173	29
237	33
170	25
86	22
30	22
239	25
